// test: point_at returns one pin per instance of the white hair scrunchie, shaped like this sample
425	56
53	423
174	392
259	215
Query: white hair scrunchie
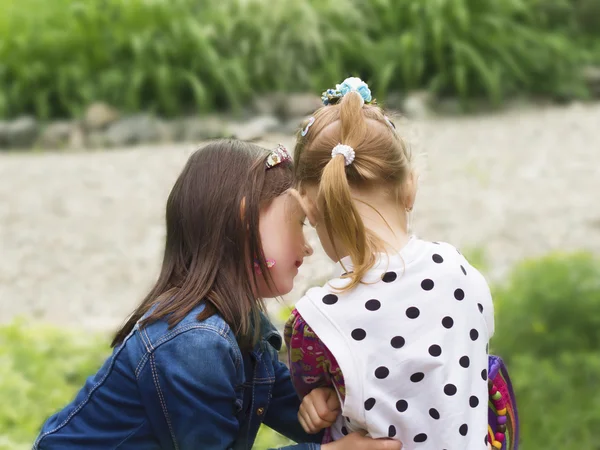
346	151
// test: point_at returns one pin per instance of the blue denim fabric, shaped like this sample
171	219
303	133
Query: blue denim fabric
189	387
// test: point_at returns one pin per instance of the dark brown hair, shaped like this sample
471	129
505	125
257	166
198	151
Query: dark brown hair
382	160
212	239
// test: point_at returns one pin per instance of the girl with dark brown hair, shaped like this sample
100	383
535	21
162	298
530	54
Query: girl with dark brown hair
195	366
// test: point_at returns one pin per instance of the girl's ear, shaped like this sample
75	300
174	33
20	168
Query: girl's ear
307	206
410	191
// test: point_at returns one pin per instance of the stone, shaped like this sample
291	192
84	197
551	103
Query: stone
268	104
591	76
98	116
193	129
297	105
141	128
3	135
253	129
417	105
56	135
22	132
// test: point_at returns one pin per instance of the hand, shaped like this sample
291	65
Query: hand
358	441
318	410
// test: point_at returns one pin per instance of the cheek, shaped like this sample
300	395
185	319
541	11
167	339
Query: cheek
326	243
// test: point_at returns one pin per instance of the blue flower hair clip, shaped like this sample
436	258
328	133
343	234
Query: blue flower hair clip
352	84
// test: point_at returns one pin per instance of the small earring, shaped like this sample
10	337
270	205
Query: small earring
270	264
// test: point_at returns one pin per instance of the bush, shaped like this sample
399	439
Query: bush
41	370
179	56
548	317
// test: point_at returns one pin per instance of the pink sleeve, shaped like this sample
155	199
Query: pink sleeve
308	357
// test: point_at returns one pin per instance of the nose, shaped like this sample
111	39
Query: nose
308	250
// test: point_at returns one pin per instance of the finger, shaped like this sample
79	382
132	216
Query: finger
326	407
308	420
333	401
387	444
304	425
316	417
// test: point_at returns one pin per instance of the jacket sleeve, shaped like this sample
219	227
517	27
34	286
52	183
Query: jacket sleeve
282	415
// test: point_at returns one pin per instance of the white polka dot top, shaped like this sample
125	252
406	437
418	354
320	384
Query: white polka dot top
412	346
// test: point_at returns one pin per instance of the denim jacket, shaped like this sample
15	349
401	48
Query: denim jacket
189	387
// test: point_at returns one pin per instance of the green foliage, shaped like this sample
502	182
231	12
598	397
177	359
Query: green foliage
179	56
548	316
41	369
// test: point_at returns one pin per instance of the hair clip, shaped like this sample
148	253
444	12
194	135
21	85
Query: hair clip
308	125
277	156
390	123
352	84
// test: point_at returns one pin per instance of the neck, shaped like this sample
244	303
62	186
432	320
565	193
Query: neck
384	217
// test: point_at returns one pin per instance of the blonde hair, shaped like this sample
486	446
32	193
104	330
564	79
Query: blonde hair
382	160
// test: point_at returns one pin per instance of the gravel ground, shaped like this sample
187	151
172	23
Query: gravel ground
81	233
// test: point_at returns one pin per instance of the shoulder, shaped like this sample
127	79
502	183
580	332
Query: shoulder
191	335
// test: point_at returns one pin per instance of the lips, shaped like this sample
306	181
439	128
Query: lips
298	264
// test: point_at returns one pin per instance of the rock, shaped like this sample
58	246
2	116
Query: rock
77	137
98	116
192	129
268	104
417	105
254	129
133	130
591	75
21	132
96	140
292	126
3	135
56	135
296	105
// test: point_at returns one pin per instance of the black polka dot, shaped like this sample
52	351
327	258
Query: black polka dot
437	258
369	403
373	305
398	342
450	389
480	306
359	334
434	413
330	299
417	377
392	431
485	440
484	374
464	361
474	334
401	405
382	372
473	401
436	243
427	284
459	294
388	277
412	312
464	429
448	322
421	437
344	431
435	350
463	270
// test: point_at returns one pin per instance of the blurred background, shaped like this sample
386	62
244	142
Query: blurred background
101	102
